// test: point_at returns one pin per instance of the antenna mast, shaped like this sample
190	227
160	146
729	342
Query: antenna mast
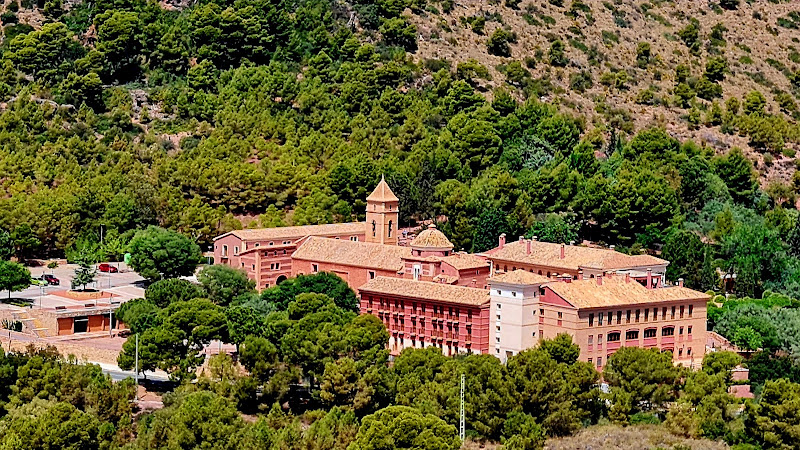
461	412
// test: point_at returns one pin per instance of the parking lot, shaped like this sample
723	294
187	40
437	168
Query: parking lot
125	283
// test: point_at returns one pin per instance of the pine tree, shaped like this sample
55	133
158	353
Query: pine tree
709	280
794	240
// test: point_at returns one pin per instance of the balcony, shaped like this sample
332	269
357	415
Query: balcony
668	339
650	342
612	345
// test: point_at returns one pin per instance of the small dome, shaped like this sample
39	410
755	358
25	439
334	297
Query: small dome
432	238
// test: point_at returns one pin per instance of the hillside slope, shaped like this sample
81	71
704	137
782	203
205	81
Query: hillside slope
601	38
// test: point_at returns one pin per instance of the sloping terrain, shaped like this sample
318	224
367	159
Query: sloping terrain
601	37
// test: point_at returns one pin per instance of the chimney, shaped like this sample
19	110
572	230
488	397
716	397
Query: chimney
680	282
627	277
521	238
535	238
599	279
502	240
571	242
580	275
529	246
562	251
474	282
649	278
612	247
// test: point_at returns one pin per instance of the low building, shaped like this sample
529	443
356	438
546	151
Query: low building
353	261
421	314
90	318
601	314
266	254
560	260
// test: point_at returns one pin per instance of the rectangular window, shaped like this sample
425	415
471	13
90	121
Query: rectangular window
498	317
371	274
689	351
541	311
354	238
600	319
664	313
224	250
690	310
315	268
681	311
559	314
609	317
637	316
599	339
599	361
628	316
235	251
668	331
672	316
649	333
591	323
631	335
646	314
591	339
619	317
613	337
689	330
499	306
680	331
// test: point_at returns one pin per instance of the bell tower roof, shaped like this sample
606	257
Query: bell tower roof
382	193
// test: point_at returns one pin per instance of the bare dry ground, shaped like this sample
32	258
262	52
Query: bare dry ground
757	49
639	437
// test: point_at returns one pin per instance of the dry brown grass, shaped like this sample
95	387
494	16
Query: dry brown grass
639	437
461	44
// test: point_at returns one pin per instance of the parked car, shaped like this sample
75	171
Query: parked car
105	267
51	279
38	281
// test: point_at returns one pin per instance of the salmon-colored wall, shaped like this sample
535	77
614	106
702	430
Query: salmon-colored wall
413	323
687	349
64	326
257	257
354	276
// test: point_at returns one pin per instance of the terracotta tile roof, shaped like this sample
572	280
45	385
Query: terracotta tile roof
431	238
549	254
447	279
426	290
741	391
616	292
521	277
259	234
463	261
352	253
382	193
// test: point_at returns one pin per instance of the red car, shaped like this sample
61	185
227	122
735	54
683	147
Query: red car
105	267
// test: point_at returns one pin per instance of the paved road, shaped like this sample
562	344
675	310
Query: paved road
118	374
64	273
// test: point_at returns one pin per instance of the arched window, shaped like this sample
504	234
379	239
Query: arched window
668	331
373	228
613	336
390	228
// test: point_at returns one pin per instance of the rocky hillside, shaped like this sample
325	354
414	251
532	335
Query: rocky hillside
627	64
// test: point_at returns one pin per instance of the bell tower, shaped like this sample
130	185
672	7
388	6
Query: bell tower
382	215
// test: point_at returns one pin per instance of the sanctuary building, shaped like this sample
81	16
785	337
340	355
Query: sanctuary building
500	302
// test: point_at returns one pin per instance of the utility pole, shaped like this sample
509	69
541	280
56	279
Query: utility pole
136	367
461	412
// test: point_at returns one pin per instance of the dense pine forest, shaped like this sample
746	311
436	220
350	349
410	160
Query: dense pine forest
213	116
203	117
